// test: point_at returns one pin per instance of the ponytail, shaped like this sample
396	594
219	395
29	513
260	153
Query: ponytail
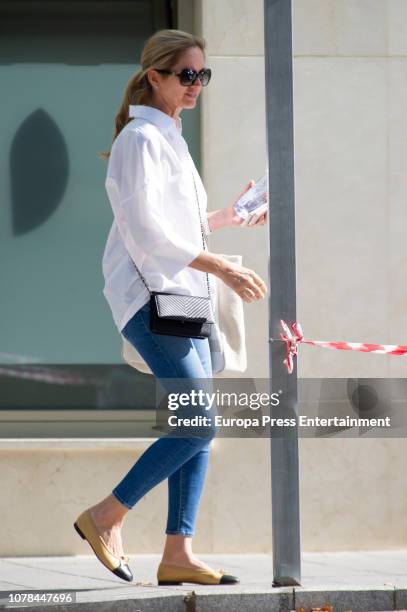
137	90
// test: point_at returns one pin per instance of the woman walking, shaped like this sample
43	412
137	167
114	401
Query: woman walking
153	188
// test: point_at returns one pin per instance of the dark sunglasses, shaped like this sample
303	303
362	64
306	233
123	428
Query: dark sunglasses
187	76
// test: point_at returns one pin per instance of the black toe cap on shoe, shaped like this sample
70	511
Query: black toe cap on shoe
123	571
228	579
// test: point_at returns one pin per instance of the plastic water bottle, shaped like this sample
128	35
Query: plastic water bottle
255	198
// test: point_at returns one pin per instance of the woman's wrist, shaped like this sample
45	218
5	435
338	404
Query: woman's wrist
218	219
211	262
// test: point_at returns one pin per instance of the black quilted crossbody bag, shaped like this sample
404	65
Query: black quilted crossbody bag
175	314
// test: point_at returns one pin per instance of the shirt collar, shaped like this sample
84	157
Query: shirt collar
156	116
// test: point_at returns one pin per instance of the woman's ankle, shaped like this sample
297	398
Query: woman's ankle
105	517
109	512
177	550
178	558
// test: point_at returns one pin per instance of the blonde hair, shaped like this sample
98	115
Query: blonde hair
161	50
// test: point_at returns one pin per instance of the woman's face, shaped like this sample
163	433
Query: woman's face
168	90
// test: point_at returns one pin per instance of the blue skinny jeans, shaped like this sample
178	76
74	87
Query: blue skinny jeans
182	460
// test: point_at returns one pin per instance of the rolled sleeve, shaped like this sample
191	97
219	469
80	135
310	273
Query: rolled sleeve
135	188
205	223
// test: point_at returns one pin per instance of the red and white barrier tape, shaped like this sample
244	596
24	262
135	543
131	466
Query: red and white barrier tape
293	336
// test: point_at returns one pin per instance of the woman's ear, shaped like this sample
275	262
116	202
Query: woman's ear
152	79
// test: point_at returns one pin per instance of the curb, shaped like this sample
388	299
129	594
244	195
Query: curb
272	600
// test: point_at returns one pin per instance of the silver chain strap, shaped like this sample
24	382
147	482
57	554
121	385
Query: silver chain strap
203	242
202	232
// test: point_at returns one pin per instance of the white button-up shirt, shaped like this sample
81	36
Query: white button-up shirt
156	223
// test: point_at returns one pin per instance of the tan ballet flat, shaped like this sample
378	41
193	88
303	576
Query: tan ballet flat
87	530
174	574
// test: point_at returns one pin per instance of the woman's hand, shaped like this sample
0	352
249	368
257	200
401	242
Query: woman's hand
233	219
247	284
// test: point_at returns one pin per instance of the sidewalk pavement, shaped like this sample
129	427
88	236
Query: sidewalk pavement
361	582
